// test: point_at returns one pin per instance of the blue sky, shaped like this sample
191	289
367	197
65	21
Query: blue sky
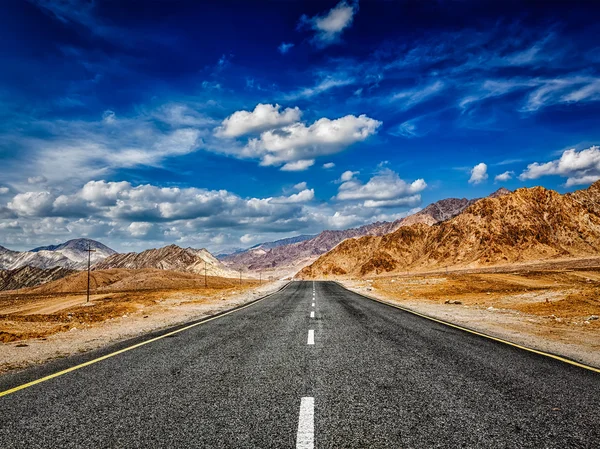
223	124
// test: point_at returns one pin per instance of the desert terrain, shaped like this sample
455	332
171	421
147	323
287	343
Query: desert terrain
54	320
551	306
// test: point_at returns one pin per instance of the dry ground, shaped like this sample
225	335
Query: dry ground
553	307
54	320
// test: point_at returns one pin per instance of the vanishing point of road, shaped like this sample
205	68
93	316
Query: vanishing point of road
313	365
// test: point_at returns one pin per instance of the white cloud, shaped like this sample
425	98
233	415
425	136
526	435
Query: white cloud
570	89
478	174
329	26
413	97
300	186
247	238
285	47
32	203
4	190
304	196
328	165
299	142
348	175
506	176
264	117
300	165
139	229
385	189
323	85
579	167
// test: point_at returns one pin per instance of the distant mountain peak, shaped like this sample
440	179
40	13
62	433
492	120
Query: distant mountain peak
80	244
500	192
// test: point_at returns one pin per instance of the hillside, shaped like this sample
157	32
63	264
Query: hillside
526	225
30	276
120	280
289	258
72	255
170	257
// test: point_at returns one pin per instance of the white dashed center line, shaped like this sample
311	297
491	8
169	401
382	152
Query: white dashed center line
306	424
312	314
311	337
313	304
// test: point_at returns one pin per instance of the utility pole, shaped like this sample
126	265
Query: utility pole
89	251
205	282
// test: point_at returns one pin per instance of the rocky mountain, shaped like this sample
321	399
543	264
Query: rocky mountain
285	259
71	255
30	277
525	225
170	257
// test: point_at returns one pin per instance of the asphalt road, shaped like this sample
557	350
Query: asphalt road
375	377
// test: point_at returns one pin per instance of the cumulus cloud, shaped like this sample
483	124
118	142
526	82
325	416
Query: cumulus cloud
579	167
300	186
4	190
303	196
348	175
264	117
385	189
300	165
139	229
478	174
149	203
32	203
284	47
329	26
299	142
506	176
328	165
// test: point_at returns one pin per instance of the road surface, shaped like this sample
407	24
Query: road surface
328	369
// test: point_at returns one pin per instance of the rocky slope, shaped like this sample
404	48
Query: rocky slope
526	225
71	255
30	277
170	257
289	258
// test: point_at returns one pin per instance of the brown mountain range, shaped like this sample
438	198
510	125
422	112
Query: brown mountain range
28	276
526	225
288	259
170	257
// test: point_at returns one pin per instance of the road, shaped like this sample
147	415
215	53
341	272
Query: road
372	376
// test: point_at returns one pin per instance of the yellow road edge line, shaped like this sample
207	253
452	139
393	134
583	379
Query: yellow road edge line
481	334
129	348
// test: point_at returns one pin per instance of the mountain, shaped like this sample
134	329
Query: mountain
282	242
525	225
288	258
30	277
72	255
170	257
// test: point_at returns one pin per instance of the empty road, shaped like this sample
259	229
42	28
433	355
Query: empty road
311	366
